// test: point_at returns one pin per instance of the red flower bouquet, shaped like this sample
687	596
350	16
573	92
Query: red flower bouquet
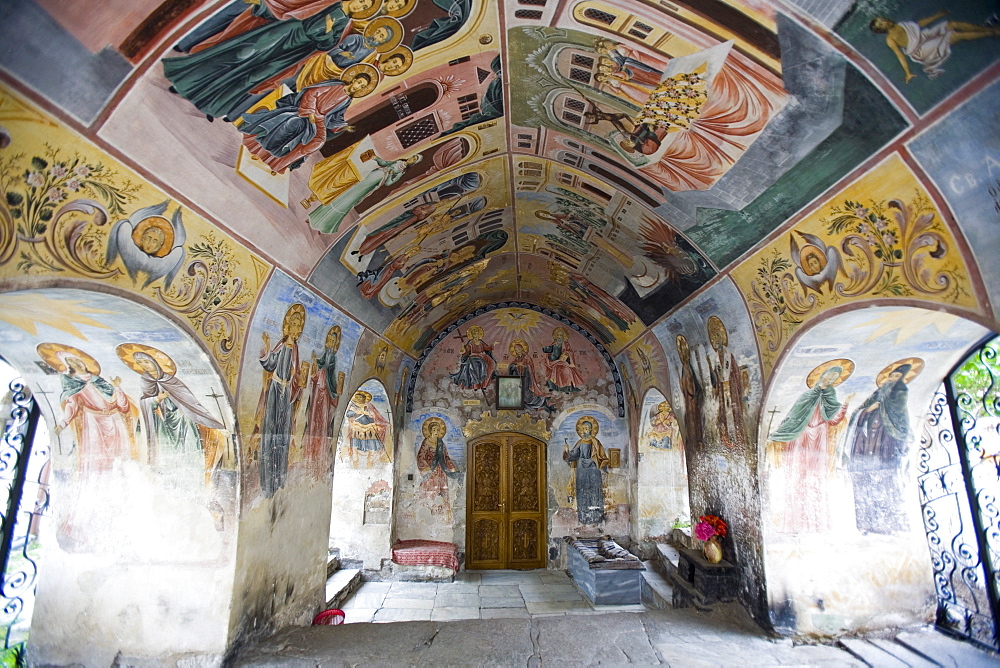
710	525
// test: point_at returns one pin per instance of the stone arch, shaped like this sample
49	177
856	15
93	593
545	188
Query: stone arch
816	490
361	518
145	471
662	498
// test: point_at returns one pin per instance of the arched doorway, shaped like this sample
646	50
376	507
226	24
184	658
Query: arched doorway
661	480
506	507
361	516
144	476
839	436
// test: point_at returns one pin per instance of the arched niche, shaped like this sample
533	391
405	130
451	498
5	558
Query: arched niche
361	516
832	476
661	476
144	484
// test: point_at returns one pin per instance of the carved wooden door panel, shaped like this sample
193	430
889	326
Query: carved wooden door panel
505	526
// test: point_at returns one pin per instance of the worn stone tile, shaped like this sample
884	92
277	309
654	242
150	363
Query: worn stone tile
449	614
359	615
496	591
509	577
553	577
413	589
456	601
555	594
402	615
571	640
537	607
410	603
501	602
458	588
374	588
373	601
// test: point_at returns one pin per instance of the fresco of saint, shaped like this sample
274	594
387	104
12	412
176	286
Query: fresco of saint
876	450
589	462
301	122
477	366
927	42
691	390
222	79
727	386
805	439
560	364
279	398
102	417
327	384
178	427
521	364
366	430
664	431
435	465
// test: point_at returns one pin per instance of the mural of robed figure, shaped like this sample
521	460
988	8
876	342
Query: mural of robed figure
805	438
589	462
280	395
177	424
876	449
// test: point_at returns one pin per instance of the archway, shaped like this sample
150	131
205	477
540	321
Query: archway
144	478
661	479
838	437
361	516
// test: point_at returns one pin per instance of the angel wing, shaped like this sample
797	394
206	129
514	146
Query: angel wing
122	230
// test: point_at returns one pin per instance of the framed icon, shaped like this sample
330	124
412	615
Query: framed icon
509	396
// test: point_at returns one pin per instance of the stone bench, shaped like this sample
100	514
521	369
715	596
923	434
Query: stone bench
606	572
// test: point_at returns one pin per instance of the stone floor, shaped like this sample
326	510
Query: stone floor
538	618
475	595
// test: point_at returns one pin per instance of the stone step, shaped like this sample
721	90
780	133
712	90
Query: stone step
946	651
341	585
667	558
656	591
903	653
871	654
332	566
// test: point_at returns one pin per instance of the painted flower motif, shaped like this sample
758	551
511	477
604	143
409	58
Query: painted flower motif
861	212
55	195
889	238
83	171
35	179
865	228
58	170
73	184
872	241
881	224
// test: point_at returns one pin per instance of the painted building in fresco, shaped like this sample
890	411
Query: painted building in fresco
263	264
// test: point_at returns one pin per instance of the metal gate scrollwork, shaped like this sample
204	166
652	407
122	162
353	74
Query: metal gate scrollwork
959	481
23	478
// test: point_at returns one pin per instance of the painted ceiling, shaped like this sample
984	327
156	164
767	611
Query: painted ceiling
415	160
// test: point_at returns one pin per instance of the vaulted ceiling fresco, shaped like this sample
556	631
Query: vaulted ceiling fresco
415	160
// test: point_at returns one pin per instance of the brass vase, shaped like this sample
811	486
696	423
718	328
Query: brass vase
713	550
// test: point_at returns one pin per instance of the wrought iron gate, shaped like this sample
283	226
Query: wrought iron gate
23	479
959	481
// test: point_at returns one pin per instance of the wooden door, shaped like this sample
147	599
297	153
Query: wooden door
505	521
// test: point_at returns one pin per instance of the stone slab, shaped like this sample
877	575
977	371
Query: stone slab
408	603
569	640
557	593
495	591
500	613
402	615
501	602
556	606
904	654
946	651
870	654
456	601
